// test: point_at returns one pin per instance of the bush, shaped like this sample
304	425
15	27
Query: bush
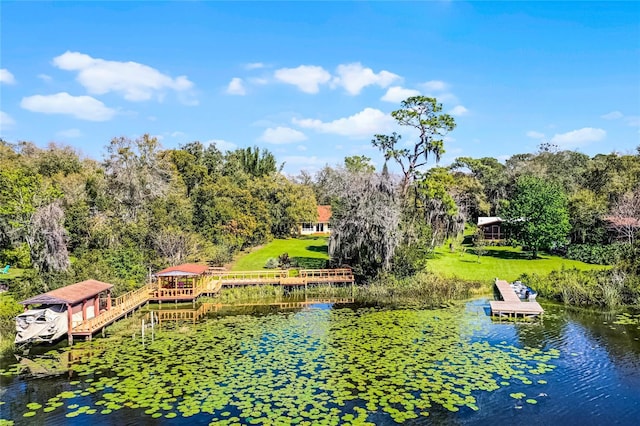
609	289
272	263
596	254
17	257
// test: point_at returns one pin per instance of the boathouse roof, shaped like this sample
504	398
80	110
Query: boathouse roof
186	269
71	294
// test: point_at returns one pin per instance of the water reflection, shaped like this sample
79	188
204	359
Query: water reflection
322	349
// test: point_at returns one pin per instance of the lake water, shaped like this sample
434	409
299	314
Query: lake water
340	364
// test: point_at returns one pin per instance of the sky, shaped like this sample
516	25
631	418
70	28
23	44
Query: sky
313	82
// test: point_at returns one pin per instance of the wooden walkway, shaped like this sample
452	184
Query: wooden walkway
212	284
511	305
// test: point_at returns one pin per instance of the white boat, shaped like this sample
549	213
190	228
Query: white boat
41	325
524	292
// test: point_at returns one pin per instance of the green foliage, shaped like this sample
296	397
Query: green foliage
359	164
9	308
17	257
598	254
537	214
425	115
272	263
586	212
581	288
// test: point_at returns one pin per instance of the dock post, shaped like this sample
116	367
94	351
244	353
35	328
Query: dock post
70	338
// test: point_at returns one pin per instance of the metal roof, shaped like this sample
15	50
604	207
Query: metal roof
72	294
482	221
186	269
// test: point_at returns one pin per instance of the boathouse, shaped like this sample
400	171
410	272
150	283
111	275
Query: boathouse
78	302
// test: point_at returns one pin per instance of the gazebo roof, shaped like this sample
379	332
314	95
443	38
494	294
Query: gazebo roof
186	269
71	294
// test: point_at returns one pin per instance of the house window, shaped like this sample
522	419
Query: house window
308	227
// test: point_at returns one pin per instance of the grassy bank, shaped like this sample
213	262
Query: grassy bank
307	252
504	262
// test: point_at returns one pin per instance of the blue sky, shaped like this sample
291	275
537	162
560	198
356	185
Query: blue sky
313	82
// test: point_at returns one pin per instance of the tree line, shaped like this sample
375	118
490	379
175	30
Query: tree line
65	218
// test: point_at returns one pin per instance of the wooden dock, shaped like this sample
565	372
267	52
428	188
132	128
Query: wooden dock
511	305
211	284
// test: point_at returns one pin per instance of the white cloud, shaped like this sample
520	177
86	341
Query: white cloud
365	123
69	133
135	81
458	110
81	107
221	144
236	87
301	148
254	66
6	121
613	115
535	135
307	78
282	135
6	77
178	134
354	77
633	121
258	81
308	163
578	137
435	86
398	94
45	77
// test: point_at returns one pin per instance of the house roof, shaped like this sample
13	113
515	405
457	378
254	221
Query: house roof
324	214
72	294
186	269
483	221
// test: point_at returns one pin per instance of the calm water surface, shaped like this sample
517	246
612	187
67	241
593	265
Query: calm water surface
340	364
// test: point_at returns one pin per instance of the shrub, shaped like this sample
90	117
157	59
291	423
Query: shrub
596	253
272	263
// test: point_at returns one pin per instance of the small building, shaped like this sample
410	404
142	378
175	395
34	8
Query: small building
60	310
319	227
492	228
180	281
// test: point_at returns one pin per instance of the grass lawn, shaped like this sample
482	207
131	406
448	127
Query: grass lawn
502	262
13	273
309	252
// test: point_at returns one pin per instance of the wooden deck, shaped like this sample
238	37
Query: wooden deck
212	284
511	305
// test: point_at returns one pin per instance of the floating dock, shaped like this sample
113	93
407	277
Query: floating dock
511	305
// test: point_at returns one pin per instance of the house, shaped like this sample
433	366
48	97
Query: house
492	228
319	227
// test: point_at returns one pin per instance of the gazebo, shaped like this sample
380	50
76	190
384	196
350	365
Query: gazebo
179	282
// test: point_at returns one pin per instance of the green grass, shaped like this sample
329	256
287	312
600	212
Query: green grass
503	262
309	252
13	273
